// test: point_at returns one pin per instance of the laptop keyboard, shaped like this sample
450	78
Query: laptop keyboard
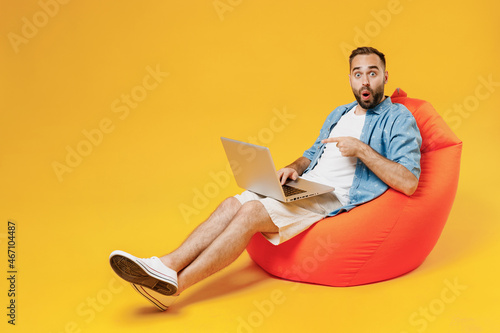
289	190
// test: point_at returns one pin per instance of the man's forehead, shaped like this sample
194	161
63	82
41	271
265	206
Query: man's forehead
366	61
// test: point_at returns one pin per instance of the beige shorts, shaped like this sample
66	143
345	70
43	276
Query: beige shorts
293	217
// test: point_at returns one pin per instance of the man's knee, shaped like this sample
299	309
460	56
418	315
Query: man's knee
254	216
231	203
252	207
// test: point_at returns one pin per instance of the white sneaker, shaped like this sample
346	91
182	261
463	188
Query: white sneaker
150	272
162	302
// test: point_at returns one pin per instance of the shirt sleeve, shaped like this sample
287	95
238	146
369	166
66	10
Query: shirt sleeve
309	153
404	147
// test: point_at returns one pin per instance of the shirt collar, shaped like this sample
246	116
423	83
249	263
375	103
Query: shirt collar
382	107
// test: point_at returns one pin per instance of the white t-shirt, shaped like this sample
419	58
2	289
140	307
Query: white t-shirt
334	169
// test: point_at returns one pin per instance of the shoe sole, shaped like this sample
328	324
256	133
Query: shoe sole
149	297
153	299
142	275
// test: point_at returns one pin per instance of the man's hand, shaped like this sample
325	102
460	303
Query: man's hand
285	173
293	170
393	174
348	146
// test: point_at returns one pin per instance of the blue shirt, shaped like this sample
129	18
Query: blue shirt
391	130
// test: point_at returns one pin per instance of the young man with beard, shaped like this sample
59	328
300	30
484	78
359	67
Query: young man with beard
363	148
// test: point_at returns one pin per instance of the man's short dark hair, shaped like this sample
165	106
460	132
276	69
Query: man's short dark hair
366	50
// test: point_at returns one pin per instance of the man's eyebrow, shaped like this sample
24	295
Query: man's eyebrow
369	67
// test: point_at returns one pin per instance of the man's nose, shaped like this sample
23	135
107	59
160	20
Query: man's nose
365	81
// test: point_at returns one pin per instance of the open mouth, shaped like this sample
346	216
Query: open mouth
365	95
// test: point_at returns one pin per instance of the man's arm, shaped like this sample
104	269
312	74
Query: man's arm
392	173
293	170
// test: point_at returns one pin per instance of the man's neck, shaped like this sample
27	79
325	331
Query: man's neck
359	111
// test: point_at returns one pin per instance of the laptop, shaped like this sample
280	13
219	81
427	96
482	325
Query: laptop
254	170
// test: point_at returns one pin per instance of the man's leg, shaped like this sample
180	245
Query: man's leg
203	235
251	218
212	246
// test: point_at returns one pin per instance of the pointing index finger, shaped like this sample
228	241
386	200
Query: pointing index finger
330	140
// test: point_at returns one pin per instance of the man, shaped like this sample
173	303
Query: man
363	148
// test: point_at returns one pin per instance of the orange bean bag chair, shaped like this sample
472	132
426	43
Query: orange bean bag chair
384	238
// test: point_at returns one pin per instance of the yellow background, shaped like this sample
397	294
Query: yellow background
232	69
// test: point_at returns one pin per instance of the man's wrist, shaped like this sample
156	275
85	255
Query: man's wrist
300	165
365	151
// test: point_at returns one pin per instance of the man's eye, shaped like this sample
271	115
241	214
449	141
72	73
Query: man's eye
357	75
373	74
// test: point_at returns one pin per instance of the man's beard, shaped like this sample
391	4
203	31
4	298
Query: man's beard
376	97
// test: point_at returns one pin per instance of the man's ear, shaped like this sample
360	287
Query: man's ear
386	77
